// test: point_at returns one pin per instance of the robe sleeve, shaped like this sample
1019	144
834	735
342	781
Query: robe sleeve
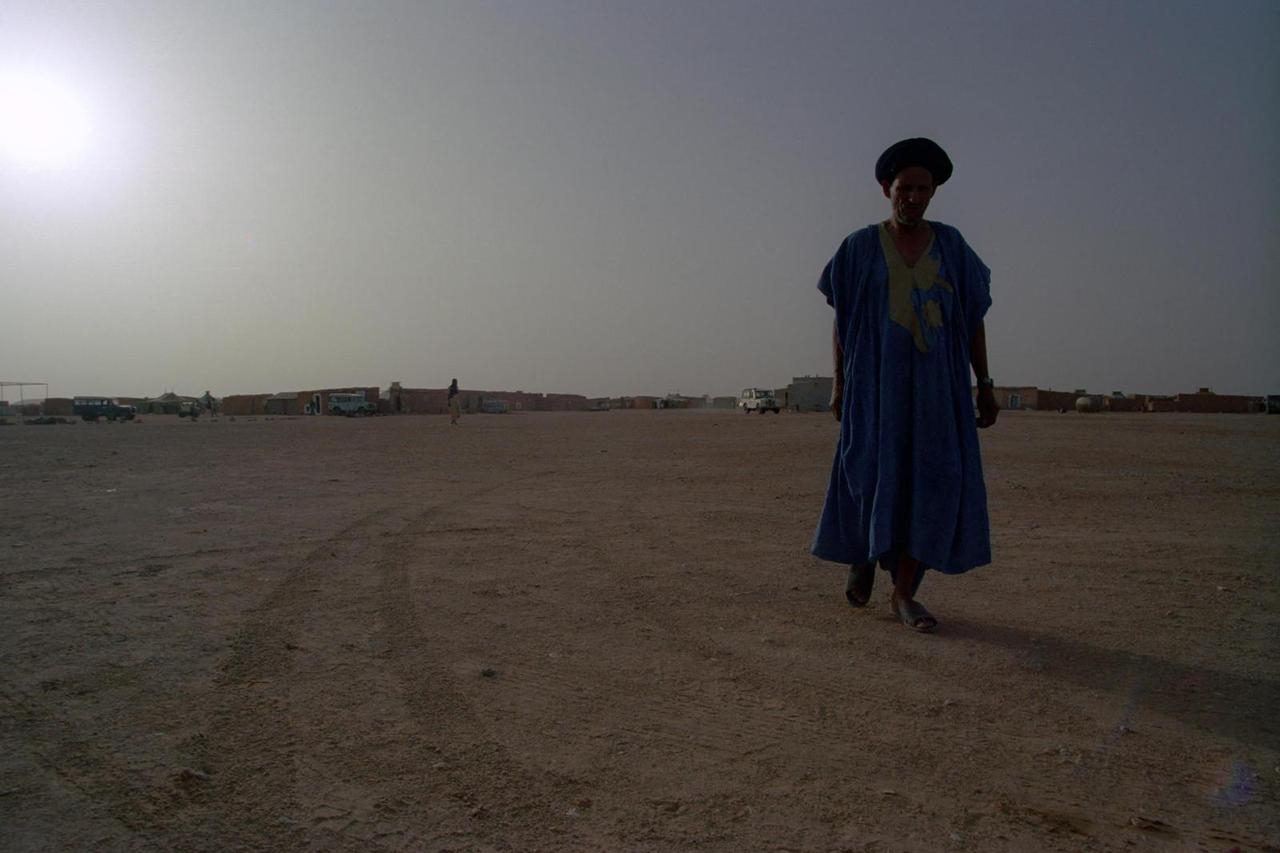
971	276
838	276
977	285
826	283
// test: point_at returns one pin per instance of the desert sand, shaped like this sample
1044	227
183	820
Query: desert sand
603	631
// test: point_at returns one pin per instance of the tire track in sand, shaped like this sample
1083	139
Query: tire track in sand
261	735
338	725
492	796
587	722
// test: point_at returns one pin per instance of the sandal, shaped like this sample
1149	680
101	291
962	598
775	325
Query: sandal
913	615
858	586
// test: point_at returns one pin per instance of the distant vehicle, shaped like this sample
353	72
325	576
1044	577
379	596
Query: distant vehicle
350	404
189	409
758	400
495	407
92	408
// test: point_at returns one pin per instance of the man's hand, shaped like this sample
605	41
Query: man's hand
988	408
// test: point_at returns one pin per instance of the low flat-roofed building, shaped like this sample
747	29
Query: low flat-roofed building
285	403
1206	402
806	394
245	404
1028	397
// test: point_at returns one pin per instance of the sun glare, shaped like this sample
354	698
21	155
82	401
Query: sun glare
43	123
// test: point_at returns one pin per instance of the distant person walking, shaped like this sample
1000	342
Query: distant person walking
906	487
455	405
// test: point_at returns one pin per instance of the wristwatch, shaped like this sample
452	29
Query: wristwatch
987	383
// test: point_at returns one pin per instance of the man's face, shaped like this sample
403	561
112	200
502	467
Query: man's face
910	194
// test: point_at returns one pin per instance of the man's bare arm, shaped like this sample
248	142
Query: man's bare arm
988	409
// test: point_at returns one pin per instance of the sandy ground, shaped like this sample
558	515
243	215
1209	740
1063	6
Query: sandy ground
604	632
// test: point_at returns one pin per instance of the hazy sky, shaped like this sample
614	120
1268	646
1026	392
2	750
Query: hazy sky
609	197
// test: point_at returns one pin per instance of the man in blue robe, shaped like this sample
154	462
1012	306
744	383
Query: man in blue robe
906	485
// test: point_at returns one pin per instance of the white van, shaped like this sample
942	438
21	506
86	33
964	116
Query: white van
350	404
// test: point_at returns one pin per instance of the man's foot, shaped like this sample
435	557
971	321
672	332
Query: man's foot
913	614
858	587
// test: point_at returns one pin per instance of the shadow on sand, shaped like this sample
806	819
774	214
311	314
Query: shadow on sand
1229	705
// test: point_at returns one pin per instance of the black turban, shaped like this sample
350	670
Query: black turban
913	152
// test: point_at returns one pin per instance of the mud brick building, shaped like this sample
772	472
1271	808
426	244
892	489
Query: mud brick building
284	404
244	404
1203	401
1118	402
56	406
642	402
435	401
1036	399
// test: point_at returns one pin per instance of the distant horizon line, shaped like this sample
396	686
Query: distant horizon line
669	394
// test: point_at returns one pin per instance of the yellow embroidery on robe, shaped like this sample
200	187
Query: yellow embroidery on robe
903	281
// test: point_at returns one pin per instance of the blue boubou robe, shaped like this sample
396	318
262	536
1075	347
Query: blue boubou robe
907	475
